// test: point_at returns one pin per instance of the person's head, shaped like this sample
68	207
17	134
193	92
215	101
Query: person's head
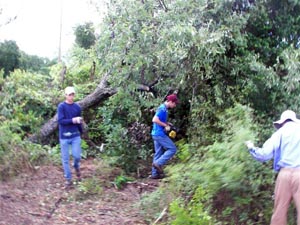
172	101
287	115
69	93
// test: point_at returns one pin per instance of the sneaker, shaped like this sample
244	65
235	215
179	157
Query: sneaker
78	174
158	176
68	184
158	168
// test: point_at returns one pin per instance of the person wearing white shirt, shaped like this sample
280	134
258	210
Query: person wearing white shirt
284	147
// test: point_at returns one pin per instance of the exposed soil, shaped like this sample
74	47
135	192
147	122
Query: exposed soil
40	197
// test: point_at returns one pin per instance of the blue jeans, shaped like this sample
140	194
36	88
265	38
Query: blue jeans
65	144
164	150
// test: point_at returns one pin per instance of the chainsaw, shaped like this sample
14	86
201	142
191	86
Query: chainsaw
172	132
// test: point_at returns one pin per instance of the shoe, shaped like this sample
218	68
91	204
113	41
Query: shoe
78	174
158	176
68	184
158	168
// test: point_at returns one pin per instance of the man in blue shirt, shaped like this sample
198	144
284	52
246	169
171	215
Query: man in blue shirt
70	128
163	145
284	147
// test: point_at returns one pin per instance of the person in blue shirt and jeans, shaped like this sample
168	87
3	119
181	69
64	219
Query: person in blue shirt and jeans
164	147
70	128
284	147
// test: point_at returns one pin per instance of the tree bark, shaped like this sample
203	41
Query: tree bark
92	71
101	93
63	73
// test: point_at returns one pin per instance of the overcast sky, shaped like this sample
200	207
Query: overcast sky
36	28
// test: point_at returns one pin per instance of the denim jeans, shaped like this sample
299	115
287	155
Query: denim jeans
65	144
164	150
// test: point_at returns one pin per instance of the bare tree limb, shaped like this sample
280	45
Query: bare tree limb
163	5
160	216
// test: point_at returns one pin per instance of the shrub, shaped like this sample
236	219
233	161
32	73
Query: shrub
17	155
193	213
89	187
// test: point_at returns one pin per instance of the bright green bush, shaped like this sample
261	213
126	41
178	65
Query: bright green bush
192	214
121	180
26	99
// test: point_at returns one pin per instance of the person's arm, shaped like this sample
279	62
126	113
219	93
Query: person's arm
266	153
159	122
61	116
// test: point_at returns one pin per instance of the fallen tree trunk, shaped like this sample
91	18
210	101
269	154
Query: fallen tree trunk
101	93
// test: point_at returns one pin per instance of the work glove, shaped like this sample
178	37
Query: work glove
249	145
77	120
167	128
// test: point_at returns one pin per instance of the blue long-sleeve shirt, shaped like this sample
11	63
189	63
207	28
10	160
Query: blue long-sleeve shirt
283	146
65	113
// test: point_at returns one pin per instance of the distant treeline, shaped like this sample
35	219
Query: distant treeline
11	58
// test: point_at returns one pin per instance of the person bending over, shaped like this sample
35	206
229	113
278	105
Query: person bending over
163	146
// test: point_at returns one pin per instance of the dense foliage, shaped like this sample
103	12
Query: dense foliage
9	53
85	35
235	65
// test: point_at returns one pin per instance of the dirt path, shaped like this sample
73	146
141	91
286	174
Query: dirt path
40	198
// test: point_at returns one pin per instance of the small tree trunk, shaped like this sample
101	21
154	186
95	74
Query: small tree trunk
92	71
63	73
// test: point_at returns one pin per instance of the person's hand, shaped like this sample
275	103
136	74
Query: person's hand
77	120
249	144
167	128
170	124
